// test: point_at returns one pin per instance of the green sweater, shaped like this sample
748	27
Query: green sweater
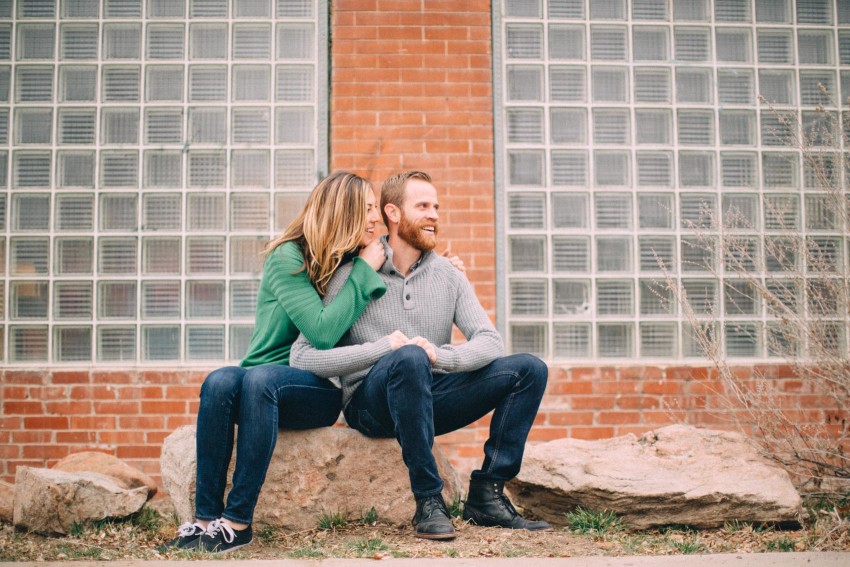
287	303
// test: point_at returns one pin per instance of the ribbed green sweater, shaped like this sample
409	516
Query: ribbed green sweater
287	303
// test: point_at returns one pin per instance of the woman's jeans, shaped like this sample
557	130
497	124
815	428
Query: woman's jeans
402	398
260	400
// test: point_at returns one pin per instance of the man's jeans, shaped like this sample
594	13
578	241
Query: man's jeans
259	400
401	398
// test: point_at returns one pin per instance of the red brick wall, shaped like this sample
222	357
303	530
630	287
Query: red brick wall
46	416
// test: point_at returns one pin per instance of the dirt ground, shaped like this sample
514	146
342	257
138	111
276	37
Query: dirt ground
137	538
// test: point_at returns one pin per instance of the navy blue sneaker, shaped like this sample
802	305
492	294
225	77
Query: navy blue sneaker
220	537
187	538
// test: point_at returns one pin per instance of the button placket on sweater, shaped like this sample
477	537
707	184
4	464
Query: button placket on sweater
407	289
407	293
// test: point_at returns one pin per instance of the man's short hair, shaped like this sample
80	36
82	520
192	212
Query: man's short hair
392	191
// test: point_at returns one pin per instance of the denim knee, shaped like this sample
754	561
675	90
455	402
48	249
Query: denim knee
257	381
222	384
533	368
410	359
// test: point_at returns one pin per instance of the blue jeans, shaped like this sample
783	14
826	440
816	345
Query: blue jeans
402	398
259	400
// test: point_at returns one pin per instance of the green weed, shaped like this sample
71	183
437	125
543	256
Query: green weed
305	552
763	528
688	547
593	523
146	520
267	535
105	524
817	504
736	526
191	554
79	552
368	547
332	521
455	507
783	543
371	517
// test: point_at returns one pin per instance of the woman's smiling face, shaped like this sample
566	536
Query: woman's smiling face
373	218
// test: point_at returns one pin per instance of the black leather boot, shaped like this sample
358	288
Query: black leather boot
487	505
432	520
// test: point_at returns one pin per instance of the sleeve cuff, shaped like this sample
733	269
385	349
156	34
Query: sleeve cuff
372	284
445	359
382	346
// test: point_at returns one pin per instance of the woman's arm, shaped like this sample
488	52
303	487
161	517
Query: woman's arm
322	325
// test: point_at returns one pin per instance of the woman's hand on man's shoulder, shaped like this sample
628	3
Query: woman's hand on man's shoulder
373	254
454	261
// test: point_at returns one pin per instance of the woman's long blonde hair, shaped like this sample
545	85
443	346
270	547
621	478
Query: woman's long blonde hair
330	224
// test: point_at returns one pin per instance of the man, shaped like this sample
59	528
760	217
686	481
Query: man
415	388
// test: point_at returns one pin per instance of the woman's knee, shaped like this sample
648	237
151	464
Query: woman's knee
256	377
264	382
273	380
222	383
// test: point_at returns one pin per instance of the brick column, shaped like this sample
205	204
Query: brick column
411	88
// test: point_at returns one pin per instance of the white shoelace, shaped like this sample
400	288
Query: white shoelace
189	529
227	532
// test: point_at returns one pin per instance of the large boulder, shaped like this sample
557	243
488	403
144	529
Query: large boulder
93	461
316	472
49	501
7	501
674	475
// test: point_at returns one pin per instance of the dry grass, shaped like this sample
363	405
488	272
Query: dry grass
137	538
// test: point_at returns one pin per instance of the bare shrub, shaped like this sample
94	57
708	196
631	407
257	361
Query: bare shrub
792	267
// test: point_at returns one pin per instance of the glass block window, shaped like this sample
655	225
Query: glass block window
148	150
639	139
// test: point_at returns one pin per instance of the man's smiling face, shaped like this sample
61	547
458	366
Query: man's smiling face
419	221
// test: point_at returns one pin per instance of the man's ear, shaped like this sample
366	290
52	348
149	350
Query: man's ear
393	213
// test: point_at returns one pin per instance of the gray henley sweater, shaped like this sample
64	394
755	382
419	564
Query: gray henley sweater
425	303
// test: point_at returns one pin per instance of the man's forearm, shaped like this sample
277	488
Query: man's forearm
484	344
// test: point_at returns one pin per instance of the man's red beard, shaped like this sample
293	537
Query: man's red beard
413	234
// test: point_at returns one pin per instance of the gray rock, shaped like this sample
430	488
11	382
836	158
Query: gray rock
316	472
50	501
94	461
7	501
674	475
178	467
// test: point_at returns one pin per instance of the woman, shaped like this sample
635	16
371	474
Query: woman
264	392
